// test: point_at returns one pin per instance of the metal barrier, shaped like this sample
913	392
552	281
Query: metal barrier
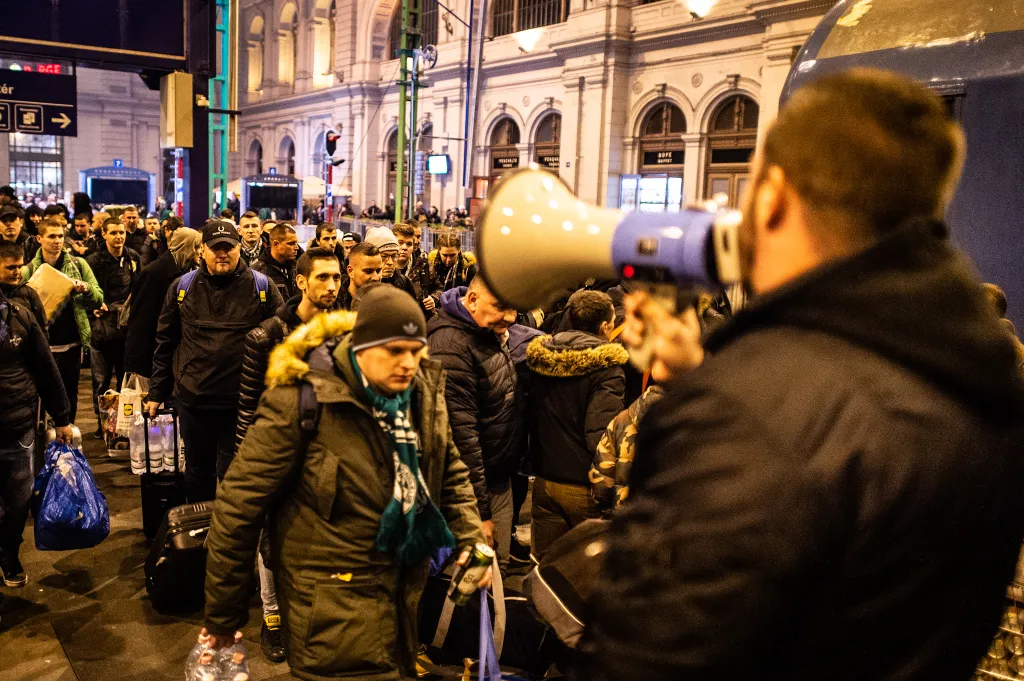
430	232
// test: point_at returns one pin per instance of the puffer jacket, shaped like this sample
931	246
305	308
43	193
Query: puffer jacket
576	389
198	337
609	474
481	392
258	344
116	277
348	611
27	372
85	302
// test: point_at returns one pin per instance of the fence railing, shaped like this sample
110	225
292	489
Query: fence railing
430	232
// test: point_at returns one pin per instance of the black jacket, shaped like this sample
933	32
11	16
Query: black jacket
198	339
283	276
481	395
27	296
137	239
27	373
116	277
152	248
147	300
834	494
402	282
576	389
258	344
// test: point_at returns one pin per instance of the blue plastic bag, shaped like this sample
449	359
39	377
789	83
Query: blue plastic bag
70	511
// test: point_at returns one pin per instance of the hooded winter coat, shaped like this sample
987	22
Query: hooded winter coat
83	303
347	610
576	389
834	493
482	394
447	278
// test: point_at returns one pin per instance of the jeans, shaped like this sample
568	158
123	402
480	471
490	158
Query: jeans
501	516
69	364
209	436
15	491
107	363
557	508
268	591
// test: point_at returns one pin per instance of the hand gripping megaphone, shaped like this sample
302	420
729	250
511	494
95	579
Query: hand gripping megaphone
534	238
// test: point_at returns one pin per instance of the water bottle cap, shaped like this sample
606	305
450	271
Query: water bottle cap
238	657
241	676
238	636
206	657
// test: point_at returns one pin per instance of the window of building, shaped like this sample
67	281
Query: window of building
255	51
288	45
255	160
428	20
548	142
288	156
37	164
332	29
511	16
504	154
662	157
732	138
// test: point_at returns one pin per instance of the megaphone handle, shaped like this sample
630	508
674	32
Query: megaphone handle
665	296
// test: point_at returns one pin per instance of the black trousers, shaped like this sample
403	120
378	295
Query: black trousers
107	365
209	437
69	364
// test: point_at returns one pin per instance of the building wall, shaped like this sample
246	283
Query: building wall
118	117
603	70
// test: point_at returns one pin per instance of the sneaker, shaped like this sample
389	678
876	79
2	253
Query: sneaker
98	434
272	639
13	573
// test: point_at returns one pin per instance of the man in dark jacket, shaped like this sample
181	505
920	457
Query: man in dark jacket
135	232
251	232
12	286
205	318
387	245
278	261
469	336
576	389
412	264
115	268
148	298
79	236
11	230
364	267
318	276
363	500
27	372
449	266
835	492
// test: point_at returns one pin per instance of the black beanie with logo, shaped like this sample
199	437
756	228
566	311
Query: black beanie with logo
387	314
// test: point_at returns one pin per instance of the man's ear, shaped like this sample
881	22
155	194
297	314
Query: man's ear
772	200
300	282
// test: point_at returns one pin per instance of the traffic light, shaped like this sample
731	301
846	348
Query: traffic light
331	142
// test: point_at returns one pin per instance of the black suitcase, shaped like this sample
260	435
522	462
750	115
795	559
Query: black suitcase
176	566
161	491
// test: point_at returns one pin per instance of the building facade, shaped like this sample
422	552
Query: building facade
634	103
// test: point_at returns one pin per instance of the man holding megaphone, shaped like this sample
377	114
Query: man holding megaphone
834	492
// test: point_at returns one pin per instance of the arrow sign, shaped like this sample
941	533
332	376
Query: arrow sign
63	120
39	103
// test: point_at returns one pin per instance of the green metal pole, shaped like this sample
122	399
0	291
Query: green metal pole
413	118
403	96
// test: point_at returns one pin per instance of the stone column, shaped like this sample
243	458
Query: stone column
571	152
693	171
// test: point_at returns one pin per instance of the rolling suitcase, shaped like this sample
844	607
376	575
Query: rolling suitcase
176	566
161	490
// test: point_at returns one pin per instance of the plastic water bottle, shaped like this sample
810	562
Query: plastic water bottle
202	646
206	668
234	668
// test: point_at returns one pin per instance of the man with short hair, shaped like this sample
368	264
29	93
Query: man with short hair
157	244
412	264
79	237
823	484
364	266
469	336
227	214
366	485
27	373
11	229
372	212
348	240
318	277
449	267
386	243
327	237
135	234
115	268
577	386
205	318
278	261
250	230
152	224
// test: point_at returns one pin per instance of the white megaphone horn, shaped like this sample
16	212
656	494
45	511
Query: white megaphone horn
534	238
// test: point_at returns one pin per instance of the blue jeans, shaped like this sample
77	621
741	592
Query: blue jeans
15	491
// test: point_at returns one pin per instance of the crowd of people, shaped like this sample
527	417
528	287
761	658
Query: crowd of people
821	485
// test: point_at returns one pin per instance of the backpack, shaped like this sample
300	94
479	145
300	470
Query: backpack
261	280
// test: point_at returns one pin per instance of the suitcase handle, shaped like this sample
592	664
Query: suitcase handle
174	425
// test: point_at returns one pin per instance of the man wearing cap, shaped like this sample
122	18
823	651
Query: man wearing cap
361	498
387	244
11	229
198	360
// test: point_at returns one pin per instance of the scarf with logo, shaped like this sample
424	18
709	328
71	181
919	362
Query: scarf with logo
411	527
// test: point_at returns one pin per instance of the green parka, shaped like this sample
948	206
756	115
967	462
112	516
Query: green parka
348	611
73	267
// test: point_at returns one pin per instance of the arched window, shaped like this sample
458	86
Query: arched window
732	137
511	16
662	158
255	53
428	20
286	157
288	45
504	150
323	43
548	142
254	162
332	17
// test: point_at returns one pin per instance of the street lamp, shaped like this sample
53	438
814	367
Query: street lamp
699	8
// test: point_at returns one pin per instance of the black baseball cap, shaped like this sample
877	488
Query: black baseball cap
9	210
220	232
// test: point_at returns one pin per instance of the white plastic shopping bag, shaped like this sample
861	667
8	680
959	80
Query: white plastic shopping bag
129	405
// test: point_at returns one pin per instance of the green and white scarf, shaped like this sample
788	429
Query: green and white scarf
411	527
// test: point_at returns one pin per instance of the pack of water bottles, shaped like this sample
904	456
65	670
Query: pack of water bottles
153	438
230	663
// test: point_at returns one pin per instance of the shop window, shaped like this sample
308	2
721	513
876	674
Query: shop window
37	165
659	186
428	20
511	16
732	137
504	154
548	142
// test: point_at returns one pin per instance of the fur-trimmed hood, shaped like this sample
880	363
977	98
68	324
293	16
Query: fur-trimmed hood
572	354
287	364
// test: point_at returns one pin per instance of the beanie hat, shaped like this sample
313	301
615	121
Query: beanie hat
387	314
381	237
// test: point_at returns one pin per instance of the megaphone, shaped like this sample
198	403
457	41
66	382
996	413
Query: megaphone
535	238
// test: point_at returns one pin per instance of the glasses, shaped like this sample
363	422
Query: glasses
386	257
